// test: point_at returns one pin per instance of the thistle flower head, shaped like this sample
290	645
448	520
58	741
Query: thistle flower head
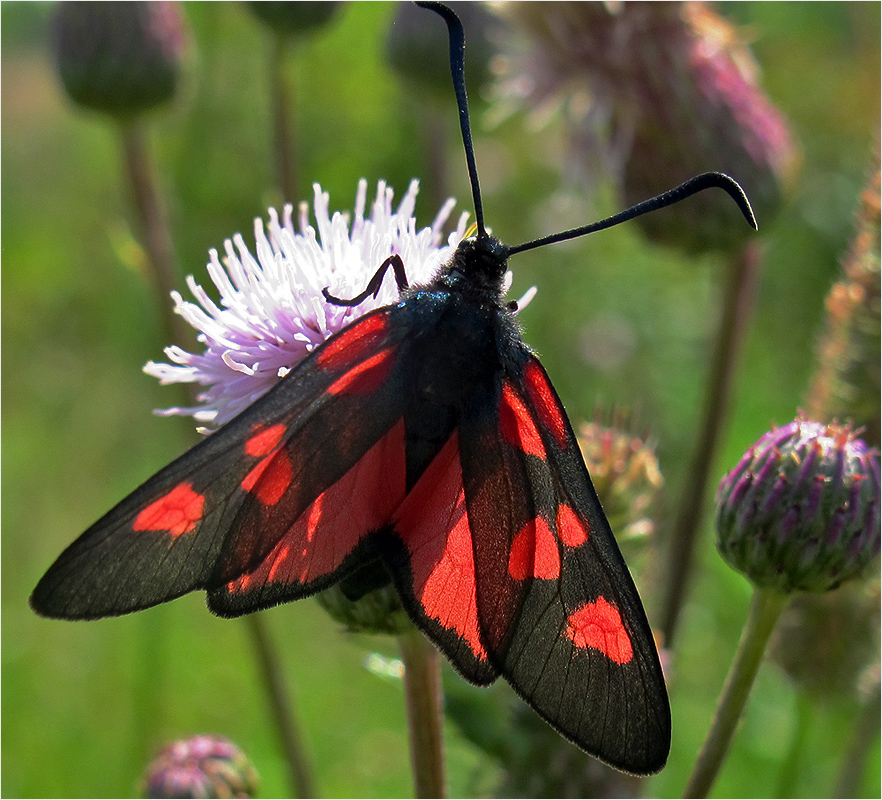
655	93
119	58
202	766
272	312
800	512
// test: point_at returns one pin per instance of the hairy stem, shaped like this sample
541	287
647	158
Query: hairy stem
737	300
422	688
765	608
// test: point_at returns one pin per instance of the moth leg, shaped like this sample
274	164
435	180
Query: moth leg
373	287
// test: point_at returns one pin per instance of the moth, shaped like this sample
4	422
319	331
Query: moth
422	445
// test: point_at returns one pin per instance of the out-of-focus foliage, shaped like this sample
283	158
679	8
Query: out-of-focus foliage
615	320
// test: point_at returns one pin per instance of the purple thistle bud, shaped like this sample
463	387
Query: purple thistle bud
202	766
119	58
803	514
655	93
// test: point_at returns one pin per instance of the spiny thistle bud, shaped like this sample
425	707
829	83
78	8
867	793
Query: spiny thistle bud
119	58
202	766
377	611
657	93
847	383
294	18
800	512
826	642
626	475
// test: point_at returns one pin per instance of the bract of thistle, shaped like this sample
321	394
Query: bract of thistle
272	313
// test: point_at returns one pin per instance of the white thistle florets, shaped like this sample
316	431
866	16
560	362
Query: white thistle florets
272	313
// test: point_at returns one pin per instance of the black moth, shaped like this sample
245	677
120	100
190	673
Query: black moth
423	445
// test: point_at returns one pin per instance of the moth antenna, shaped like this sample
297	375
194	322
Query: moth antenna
457	72
707	180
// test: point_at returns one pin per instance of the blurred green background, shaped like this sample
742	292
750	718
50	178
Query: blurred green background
84	705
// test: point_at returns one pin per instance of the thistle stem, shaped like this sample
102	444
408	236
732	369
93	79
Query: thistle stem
737	300
765	608
154	232
290	738
283	125
863	741
422	688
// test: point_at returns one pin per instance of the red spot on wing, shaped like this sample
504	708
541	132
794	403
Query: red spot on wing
534	553
270	478
264	442
434	525
599	626
362	501
517	424
176	512
350	347
571	530
545	402
365	377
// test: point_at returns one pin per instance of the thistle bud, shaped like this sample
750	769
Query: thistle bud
119	58
626	476
847	383
294	18
418	51
826	642
377	611
800	512
657	93
202	766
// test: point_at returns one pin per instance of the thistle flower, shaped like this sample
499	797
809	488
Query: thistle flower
202	766
847	382
272	313
379	611
119	58
655	93
800	512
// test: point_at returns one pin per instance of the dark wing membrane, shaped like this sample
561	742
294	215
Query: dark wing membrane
217	511
558	611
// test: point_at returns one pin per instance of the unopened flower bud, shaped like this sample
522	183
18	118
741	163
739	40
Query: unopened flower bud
800	512
847	382
202	766
418	49
377	611
294	18
626	476
658	93
119	58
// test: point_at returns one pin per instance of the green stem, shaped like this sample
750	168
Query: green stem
153	230
422	688
864	740
737	300
284	139
791	767
299	771
765	608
